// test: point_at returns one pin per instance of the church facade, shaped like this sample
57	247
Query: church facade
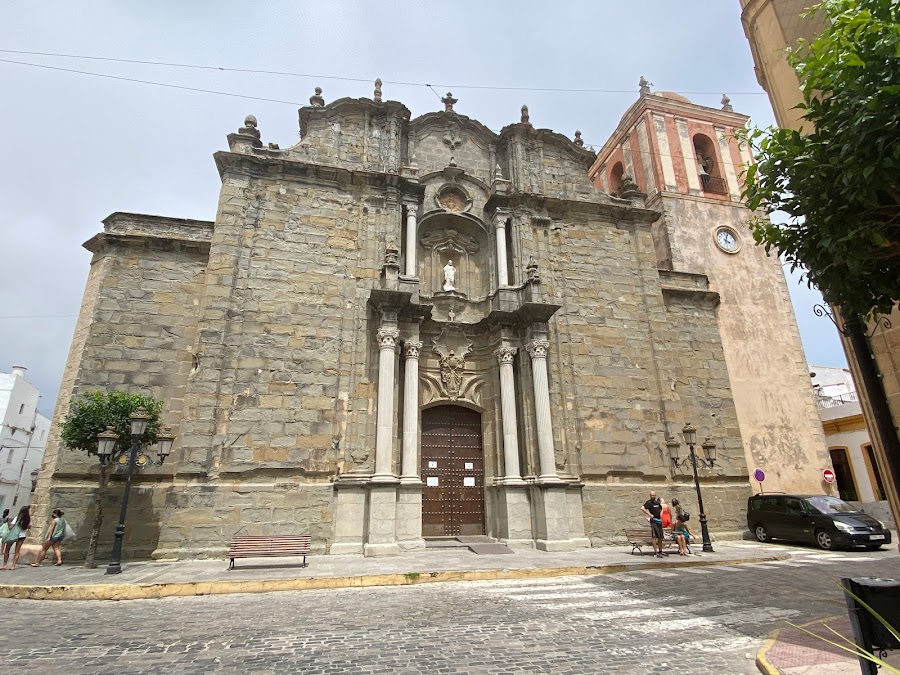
402	329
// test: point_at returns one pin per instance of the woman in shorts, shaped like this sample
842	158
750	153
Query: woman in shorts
56	532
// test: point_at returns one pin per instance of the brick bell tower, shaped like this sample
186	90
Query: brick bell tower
686	160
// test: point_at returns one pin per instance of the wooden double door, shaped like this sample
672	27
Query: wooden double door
453	472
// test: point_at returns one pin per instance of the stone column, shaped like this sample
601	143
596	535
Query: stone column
505	356
410	461
411	270
384	442
538	350
500	227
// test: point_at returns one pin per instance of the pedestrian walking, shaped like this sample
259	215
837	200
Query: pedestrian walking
56	532
18	530
653	509
5	517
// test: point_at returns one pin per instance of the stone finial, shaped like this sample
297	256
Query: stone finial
448	102
498	173
531	270
578	141
452	161
316	100
378	90
726	103
525	119
274	146
644	85
628	184
391	254
249	128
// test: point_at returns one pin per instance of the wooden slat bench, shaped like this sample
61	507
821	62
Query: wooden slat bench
269	546
638	537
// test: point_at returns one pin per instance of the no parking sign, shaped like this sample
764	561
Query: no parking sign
759	476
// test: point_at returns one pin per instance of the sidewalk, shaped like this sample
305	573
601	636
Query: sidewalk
790	651
156	579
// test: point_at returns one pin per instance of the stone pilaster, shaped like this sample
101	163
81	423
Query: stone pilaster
384	442
512	474
410	459
500	218
538	351
411	269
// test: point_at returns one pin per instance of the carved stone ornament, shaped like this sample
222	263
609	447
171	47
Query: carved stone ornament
249	128
525	119
411	349
452	138
316	100
531	270
578	140
538	348
387	338
378	90
644	85
505	354
452	199
452	238
391	254
452	346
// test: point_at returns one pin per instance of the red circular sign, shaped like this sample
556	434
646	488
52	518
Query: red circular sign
828	475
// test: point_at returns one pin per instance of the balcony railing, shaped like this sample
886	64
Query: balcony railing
713	184
835	401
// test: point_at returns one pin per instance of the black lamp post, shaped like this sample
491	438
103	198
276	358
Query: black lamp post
709	449
106	443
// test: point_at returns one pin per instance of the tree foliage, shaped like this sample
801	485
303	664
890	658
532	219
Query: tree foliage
837	181
96	410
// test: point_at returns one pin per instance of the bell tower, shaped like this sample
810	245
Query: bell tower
686	161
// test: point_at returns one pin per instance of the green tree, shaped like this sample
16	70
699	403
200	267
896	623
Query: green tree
92	414
837	179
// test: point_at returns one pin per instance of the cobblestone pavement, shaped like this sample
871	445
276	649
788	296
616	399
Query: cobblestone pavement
715	618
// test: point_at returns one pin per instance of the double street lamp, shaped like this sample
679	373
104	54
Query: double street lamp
709	449
106	446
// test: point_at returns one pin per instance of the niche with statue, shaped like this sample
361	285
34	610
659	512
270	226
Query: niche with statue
455	256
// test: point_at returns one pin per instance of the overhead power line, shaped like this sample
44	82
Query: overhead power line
170	64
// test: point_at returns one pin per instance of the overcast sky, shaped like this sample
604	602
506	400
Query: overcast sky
78	147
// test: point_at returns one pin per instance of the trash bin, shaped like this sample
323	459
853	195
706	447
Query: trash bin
883	596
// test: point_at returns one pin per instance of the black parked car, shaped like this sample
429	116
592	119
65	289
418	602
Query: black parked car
828	521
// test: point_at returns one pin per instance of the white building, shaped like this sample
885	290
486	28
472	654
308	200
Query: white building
858	478
23	437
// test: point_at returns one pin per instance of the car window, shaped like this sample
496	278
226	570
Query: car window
825	504
772	504
793	505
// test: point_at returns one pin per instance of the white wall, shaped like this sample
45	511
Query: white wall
23	437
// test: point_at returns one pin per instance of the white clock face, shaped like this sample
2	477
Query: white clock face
727	240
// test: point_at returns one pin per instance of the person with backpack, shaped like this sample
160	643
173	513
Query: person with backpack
56	532
18	530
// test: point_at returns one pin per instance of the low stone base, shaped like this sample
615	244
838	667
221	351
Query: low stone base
555	545
345	549
518	544
380	550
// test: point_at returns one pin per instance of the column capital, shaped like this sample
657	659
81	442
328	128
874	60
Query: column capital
387	338
411	204
505	354
500	217
411	349
538	348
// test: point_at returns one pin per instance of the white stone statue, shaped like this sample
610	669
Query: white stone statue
449	276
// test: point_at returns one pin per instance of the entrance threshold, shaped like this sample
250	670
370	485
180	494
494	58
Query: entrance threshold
480	544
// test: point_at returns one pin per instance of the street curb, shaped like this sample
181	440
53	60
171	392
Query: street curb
762	661
224	587
762	656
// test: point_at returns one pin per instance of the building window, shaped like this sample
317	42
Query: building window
9	457
707	167
874	472
615	177
21	408
843	474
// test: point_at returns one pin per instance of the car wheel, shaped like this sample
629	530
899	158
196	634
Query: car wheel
873	547
762	534
824	540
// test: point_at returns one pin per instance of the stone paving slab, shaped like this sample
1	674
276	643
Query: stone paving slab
151	579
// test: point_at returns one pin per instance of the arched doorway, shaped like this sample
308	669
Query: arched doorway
453	472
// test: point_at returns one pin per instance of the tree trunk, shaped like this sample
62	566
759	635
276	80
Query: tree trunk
90	560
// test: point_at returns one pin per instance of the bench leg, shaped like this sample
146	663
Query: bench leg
231	564
304	561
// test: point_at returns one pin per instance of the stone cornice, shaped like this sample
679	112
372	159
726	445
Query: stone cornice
524	131
260	166
615	209
345	106
104	241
